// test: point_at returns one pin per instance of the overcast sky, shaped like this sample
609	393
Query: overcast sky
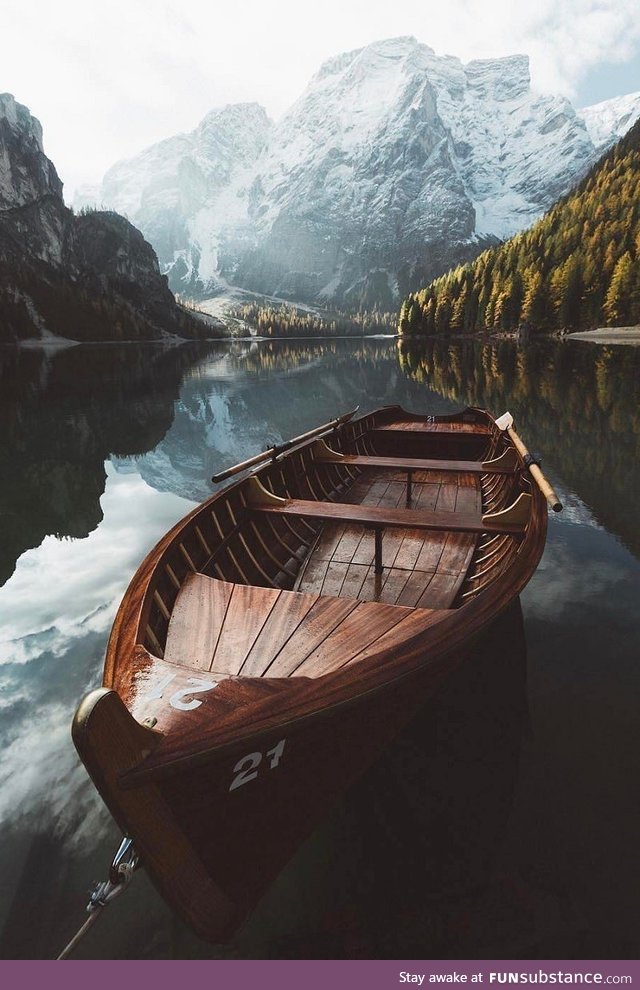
107	79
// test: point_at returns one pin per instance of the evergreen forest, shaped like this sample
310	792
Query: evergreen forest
291	321
578	267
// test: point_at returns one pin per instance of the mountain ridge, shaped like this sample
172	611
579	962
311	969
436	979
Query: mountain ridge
392	165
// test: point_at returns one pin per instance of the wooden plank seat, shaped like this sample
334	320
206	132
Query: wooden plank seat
420	464
510	521
379	517
232	630
506	463
443	429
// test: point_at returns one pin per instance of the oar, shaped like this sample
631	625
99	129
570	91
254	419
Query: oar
275	451
505	423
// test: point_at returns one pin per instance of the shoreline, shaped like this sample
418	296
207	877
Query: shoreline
609	335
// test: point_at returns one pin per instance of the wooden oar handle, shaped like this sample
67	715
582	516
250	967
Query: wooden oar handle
534	470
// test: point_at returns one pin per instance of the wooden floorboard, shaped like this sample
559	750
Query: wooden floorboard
313	574
196	620
416	586
415	621
394	585
342	563
355	577
334	578
372	585
246	614
412	544
287	614
366	623
440	591
349	542
448	429
320	621
429	556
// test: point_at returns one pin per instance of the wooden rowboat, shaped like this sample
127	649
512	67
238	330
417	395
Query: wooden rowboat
273	642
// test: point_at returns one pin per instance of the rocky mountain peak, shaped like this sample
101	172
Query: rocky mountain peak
611	119
26	174
499	79
235	132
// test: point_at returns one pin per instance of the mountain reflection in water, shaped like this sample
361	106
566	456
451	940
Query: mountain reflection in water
445	848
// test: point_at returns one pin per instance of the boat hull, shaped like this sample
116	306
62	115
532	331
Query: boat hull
268	649
246	807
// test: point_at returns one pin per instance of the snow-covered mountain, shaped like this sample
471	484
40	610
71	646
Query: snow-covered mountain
190	193
393	164
611	119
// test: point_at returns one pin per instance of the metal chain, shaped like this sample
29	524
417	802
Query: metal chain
125	863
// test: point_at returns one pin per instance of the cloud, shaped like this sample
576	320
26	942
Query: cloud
74	596
108	79
55	614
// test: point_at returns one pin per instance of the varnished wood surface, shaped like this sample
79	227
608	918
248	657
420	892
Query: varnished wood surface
258	631
244	631
452	521
424	464
448	429
423	569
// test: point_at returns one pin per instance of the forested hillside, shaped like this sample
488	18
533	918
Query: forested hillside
577	267
292	321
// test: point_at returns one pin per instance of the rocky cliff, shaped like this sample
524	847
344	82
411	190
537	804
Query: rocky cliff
88	277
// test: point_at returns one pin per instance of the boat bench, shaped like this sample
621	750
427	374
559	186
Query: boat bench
506	463
433	428
511	521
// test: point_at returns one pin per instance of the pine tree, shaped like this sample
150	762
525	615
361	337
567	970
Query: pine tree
616	304
415	316
534	297
403	322
459	310
443	315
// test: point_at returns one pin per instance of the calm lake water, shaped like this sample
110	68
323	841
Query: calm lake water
503	823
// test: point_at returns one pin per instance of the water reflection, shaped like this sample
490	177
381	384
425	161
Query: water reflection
580	406
109	446
62	414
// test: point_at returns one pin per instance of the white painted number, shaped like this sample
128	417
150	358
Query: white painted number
177	699
246	769
160	686
276	753
252	761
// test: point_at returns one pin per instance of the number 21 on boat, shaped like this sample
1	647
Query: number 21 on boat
246	769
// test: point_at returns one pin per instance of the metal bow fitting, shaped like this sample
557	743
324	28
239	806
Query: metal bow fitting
125	863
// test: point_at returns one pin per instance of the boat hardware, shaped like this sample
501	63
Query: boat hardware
125	863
